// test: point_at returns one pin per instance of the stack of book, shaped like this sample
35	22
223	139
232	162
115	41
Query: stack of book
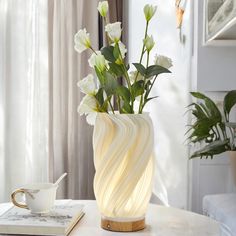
59	221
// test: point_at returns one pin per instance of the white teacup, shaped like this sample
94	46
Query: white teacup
39	198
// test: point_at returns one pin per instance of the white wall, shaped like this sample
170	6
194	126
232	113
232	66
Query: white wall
168	110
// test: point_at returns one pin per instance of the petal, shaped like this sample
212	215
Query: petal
91	118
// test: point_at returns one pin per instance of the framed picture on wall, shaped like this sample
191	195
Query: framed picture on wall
219	21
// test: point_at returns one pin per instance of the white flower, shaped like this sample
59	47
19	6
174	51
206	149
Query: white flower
163	61
82	40
88	104
133	75
98	60
88	107
114	31
149	11
103	8
149	43
87	85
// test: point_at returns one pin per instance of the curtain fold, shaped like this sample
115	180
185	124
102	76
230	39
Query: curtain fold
70	142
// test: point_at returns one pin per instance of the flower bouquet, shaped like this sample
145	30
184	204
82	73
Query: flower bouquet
123	133
109	64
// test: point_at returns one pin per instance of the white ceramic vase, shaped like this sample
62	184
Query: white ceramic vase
124	163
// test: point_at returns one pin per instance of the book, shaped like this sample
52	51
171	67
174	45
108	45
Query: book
59	221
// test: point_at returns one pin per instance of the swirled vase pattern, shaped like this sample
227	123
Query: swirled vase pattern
124	163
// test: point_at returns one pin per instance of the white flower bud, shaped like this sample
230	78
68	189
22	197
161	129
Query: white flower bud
149	11
149	43
103	8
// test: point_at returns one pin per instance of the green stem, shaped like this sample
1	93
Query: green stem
109	101
141	100
143	49
126	78
153	82
118	103
93	50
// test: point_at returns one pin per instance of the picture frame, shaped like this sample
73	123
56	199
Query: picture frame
219	22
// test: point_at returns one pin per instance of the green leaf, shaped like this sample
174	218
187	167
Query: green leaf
209	107
149	99
116	51
137	88
99	96
229	102
212	149
110	84
155	70
198	95
107	52
116	69
201	129
140	68
198	112
126	108
100	76
124	93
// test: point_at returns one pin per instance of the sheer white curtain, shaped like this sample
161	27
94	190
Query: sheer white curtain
41	133
70	147
23	94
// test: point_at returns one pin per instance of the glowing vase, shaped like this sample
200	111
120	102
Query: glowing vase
124	163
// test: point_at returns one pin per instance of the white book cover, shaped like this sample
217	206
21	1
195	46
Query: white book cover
59	221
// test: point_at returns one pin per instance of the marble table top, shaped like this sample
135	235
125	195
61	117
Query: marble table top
160	220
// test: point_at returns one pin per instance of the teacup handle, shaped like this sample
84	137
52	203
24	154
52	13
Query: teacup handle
13	195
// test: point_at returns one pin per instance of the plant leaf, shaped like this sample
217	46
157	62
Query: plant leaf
100	76
110	84
229	102
209	107
126	108
116	69
155	70
124	93
137	88
116	51
140	68
214	148
99	96
107	52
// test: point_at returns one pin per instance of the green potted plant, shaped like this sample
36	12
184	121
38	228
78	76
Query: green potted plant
212	128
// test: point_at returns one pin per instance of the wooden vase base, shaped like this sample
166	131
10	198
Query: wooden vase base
116	226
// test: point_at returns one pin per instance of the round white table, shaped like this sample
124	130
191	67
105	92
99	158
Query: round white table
160	220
